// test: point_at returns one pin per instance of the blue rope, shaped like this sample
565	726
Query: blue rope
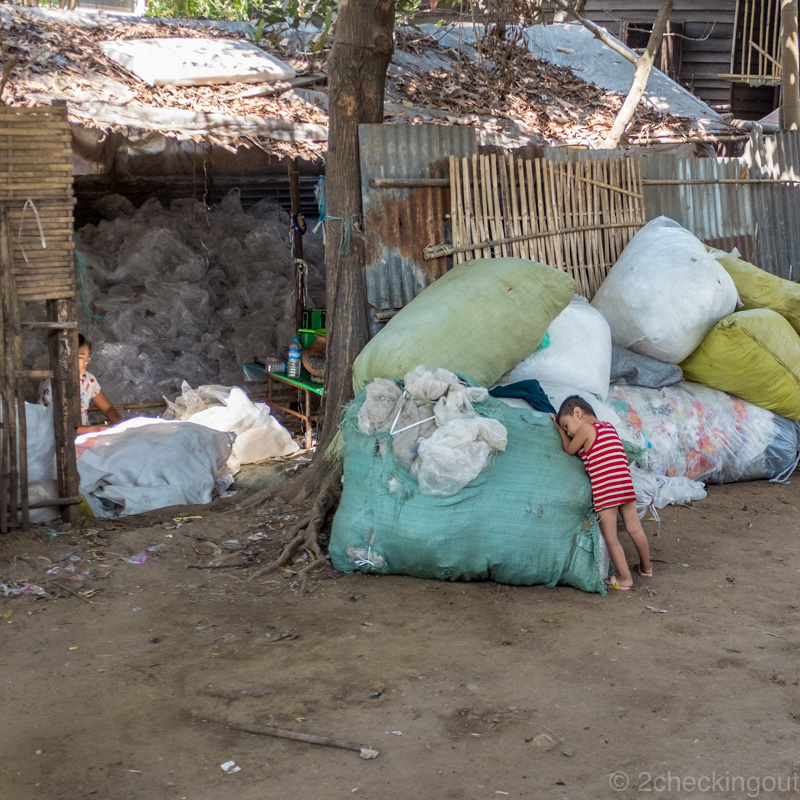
347	228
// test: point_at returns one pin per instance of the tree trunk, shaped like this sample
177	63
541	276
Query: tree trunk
362	50
643	66
790	71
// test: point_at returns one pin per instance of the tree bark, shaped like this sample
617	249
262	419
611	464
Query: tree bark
790	68
362	50
643	66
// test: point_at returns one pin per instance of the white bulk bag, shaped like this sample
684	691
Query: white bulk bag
665	293
575	352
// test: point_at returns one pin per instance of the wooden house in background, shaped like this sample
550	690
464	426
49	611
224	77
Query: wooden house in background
725	51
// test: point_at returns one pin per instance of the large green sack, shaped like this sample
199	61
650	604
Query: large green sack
480	319
524	520
759	289
754	355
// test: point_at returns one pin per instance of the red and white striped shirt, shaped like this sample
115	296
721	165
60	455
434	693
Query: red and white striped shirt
607	466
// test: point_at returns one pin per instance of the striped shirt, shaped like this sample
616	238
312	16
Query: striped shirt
607	466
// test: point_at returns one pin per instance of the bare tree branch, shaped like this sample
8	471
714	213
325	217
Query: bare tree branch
643	66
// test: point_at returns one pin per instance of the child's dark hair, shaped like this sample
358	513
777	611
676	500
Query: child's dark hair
83	341
573	402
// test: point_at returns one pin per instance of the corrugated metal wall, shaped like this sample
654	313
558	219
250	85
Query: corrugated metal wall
776	206
762	220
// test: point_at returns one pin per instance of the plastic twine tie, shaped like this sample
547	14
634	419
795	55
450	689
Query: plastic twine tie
347	228
784	476
30	203
363	562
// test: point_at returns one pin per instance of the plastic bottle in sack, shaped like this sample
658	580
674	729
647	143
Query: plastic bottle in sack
293	364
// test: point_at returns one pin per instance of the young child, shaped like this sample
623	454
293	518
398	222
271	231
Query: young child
600	448
90	392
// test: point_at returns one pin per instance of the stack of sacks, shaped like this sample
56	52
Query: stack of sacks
665	293
479	319
754	354
576	351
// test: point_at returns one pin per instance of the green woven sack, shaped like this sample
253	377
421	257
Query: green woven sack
754	355
524	520
481	319
759	289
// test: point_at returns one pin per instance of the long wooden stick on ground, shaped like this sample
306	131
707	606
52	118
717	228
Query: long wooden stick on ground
280	733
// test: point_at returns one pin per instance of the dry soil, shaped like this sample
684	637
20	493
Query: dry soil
122	682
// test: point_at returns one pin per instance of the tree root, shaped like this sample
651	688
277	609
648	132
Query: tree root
306	532
299	487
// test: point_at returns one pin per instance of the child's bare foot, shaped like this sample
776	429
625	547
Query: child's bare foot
614	583
644	573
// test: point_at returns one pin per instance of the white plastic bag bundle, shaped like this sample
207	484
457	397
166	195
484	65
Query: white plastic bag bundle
656	491
433	426
665	293
576	351
456	453
258	434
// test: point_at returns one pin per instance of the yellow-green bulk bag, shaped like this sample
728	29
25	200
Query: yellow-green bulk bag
754	355
480	319
759	289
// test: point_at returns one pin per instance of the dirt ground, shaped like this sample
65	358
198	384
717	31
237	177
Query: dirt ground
121	682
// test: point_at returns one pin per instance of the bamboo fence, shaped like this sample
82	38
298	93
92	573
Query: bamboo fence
575	216
36	266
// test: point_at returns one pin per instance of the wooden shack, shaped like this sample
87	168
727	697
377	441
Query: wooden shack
725	51
36	267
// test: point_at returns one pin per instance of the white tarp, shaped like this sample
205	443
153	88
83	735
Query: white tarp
196	62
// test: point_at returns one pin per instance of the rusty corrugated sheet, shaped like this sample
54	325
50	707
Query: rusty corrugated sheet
399	222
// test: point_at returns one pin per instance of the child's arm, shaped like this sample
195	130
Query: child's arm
584	436
103	403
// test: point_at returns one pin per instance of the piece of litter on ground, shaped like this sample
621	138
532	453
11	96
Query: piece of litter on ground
684	565
228	493
137	771
397	733
656	610
229	767
139	558
23	588
155	547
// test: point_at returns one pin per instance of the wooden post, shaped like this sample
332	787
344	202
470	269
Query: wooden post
66	401
643	66
790	67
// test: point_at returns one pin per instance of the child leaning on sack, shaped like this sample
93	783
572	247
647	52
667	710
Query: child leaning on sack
602	453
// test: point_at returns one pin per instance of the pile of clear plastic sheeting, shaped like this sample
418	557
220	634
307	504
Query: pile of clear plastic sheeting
187	293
